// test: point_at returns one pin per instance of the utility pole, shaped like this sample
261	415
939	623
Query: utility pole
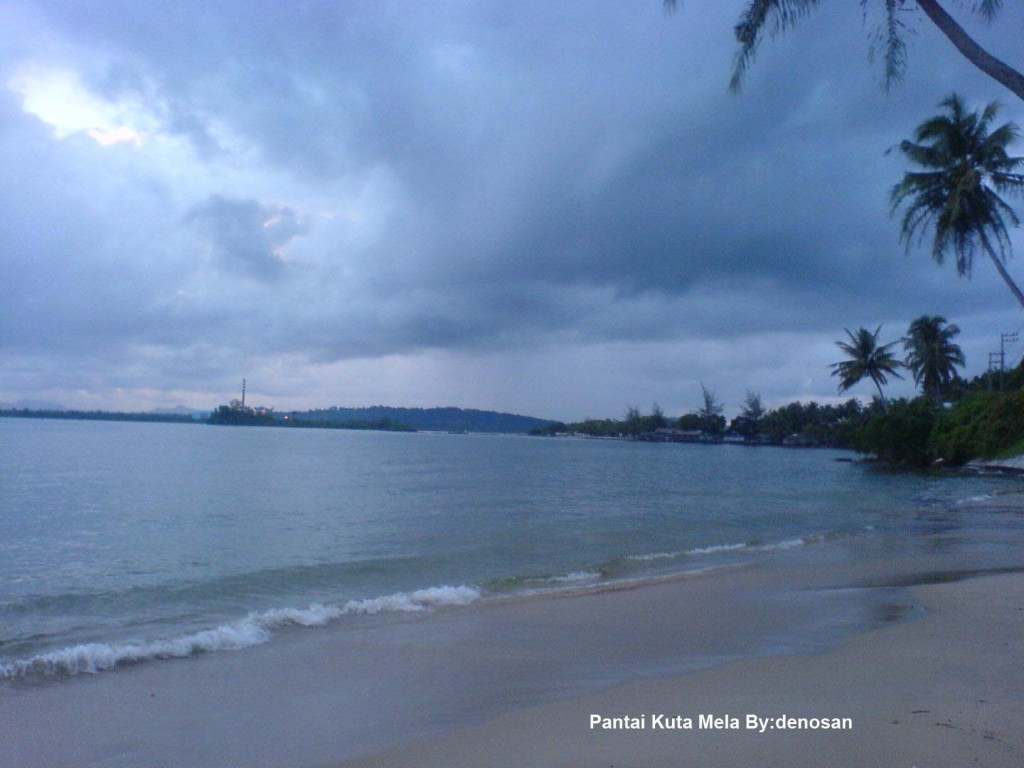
1003	338
993	361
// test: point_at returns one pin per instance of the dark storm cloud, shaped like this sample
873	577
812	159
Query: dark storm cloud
246	235
400	177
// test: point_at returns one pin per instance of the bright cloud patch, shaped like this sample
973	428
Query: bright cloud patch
120	135
58	98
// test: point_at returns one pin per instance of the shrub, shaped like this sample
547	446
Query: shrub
981	426
900	435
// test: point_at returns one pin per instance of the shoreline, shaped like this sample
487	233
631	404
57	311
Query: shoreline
514	683
943	690
951	680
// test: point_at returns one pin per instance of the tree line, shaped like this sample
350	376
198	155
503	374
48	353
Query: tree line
796	423
952	420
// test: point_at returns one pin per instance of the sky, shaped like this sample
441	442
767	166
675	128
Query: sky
549	208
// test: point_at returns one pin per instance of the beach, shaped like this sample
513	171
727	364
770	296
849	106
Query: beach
612	603
943	690
939	683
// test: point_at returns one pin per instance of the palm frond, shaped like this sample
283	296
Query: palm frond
865	359
989	9
932	356
956	197
749	30
888	41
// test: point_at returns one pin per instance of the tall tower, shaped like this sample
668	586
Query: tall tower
243	393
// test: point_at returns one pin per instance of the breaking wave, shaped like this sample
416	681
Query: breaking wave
255	629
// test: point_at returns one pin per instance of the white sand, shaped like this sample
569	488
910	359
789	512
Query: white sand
945	690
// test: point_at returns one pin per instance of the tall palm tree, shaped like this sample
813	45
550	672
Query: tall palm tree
966	167
931	354
866	358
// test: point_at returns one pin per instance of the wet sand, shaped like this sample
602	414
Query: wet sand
944	690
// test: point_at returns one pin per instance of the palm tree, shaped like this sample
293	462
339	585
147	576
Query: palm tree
966	166
932	355
866	358
889	38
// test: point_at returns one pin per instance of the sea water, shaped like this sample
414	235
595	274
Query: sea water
126	543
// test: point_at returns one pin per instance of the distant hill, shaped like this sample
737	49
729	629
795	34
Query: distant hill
430	419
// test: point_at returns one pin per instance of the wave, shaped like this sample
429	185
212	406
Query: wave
718	549
255	629
975	499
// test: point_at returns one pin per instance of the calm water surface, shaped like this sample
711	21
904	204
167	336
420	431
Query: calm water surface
126	542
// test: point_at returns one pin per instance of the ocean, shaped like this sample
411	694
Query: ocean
127	544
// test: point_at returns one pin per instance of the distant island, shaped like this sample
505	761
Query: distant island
238	415
379	417
431	419
60	413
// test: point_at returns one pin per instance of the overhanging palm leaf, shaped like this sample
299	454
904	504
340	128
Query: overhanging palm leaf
889	36
966	166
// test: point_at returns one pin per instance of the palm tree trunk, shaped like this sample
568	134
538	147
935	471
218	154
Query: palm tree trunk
998	70
881	397
1001	269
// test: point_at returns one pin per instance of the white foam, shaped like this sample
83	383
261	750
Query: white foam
91	658
655	556
787	544
975	499
575	576
716	549
316	615
419	600
446	595
255	629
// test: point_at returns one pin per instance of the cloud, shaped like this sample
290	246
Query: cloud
247	235
199	190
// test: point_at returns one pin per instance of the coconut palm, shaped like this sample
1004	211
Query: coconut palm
932	355
888	38
966	166
866	358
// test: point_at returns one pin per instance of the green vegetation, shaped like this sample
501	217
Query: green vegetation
899	436
795	424
865	358
812	424
932	356
965	166
239	415
952	421
379	417
983	425
982	419
428	419
28	413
